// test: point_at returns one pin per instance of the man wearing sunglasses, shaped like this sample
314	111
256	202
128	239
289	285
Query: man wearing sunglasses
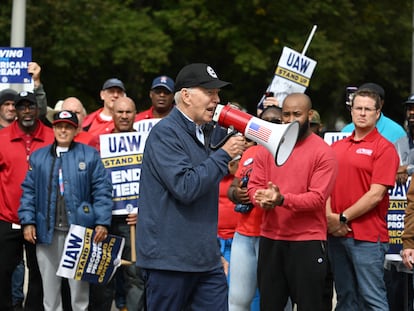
25	135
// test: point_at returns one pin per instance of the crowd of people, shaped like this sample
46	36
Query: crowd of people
219	226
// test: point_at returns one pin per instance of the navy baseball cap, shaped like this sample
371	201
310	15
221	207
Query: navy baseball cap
198	74
163	81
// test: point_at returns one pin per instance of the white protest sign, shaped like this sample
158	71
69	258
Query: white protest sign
121	155
331	137
292	74
82	259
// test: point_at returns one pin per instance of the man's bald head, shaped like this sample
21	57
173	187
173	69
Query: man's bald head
124	111
74	105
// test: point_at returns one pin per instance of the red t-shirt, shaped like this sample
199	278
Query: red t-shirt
306	181
249	223
227	217
372	160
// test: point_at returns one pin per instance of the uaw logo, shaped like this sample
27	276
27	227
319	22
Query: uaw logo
211	72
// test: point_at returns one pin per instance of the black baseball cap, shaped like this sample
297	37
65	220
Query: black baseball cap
373	87
25	96
198	74
410	100
66	116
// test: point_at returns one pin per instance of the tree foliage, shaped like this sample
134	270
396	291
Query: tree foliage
81	43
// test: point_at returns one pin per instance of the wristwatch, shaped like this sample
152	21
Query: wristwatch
342	218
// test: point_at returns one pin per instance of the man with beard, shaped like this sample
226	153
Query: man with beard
162	99
19	140
7	97
292	249
127	280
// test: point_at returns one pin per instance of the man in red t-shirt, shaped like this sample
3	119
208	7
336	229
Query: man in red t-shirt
292	257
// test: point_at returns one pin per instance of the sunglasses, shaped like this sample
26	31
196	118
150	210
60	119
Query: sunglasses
274	120
23	107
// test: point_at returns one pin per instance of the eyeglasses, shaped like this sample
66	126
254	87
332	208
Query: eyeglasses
362	109
23	107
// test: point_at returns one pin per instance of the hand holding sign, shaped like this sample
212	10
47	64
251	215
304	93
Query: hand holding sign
292	74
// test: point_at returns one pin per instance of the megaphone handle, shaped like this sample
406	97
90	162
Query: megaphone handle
223	141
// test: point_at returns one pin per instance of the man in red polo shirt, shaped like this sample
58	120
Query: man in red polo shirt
25	135
357	209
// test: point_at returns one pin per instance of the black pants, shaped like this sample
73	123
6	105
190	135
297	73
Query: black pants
292	269
101	296
11	241
34	297
399	289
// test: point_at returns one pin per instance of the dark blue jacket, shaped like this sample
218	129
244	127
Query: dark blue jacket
87	190
178	204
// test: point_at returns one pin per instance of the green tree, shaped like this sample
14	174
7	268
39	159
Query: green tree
80	43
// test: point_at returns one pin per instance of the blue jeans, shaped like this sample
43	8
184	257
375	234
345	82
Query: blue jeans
243	273
17	284
225	249
358	269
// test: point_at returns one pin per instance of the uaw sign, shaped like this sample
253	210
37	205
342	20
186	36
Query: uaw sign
84	260
396	210
121	155
292	74
395	218
13	65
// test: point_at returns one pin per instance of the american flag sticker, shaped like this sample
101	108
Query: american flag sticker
258	131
